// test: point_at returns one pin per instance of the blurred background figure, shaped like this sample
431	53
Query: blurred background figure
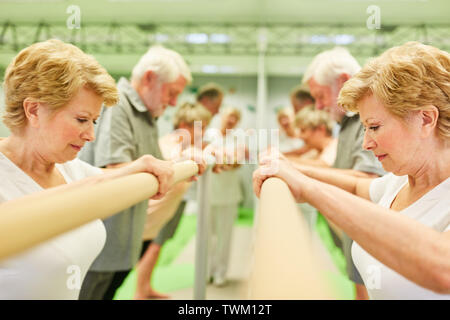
210	96
225	197
325	76
289	134
316	129
301	97
163	216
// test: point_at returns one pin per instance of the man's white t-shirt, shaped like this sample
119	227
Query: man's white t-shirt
56	268
432	210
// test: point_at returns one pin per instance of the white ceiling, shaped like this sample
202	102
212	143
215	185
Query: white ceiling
323	12
233	11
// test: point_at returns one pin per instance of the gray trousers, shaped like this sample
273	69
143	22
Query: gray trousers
95	285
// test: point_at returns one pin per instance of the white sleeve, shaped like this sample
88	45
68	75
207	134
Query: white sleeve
78	169
446	216
378	187
329	153
89	169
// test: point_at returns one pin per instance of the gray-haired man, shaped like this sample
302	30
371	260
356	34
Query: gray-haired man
325	77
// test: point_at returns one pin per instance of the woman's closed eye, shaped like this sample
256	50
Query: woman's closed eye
372	128
82	120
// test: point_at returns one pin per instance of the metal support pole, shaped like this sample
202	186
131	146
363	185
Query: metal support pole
201	243
261	96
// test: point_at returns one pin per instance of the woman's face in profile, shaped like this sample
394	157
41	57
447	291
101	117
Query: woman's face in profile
396	143
62	133
307	135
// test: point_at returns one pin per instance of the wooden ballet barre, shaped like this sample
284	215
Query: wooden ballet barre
35	218
284	265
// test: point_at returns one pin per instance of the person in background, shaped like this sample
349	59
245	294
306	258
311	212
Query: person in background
225	197
316	128
289	135
316	131
325	77
301	97
163	216
211	97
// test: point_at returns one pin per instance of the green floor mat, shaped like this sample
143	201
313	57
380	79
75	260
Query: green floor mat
165	279
170	277
324	233
167	276
344	288
173	247
245	217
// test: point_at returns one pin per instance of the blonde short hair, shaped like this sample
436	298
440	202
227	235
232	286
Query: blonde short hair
188	113
232	111
52	72
405	78
287	111
310	117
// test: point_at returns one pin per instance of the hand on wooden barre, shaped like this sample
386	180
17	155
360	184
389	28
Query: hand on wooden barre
227	159
196	155
271	167
271	153
48	213
161	169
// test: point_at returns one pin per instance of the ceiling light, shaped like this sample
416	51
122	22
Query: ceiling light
219	38
197	38
208	68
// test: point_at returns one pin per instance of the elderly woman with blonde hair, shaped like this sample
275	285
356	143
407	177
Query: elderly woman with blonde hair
400	223
164	215
226	193
289	136
54	93
316	130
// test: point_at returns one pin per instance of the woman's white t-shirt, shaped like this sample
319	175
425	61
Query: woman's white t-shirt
225	186
56	268
287	144
432	210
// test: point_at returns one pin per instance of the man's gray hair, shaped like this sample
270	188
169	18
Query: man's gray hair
166	63
327	66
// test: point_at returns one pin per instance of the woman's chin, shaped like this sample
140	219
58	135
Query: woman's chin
68	157
395	171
